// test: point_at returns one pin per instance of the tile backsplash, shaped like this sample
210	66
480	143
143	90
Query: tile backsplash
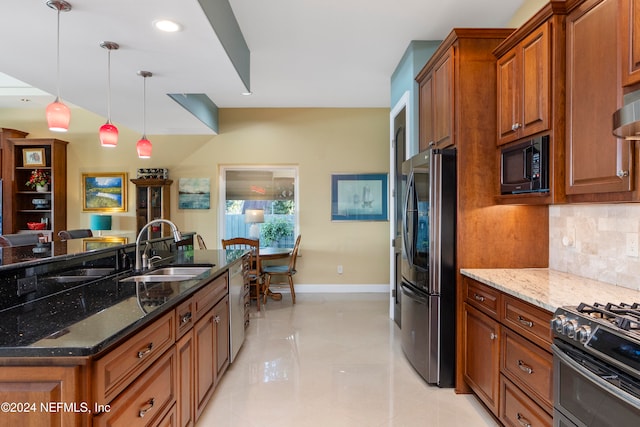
596	241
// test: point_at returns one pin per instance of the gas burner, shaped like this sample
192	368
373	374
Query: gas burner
624	316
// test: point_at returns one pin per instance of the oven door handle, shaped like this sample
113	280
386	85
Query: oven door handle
595	379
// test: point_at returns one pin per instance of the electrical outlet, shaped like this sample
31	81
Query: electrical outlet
339	269
632	245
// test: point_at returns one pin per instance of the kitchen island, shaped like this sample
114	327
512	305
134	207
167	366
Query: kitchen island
82	343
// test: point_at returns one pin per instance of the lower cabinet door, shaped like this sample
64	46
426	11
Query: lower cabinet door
185	405
147	400
518	410
482	356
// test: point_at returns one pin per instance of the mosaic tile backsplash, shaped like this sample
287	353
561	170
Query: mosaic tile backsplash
596	241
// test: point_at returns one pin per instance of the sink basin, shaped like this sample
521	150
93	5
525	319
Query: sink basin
187	271
159	278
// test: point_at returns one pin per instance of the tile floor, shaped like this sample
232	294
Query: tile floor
331	360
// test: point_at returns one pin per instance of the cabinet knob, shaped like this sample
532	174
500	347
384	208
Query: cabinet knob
493	335
622	174
431	143
516	126
216	319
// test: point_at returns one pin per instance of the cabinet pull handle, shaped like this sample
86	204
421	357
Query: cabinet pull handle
431	143
216	319
146	351
478	297
516	126
185	318
525	322
144	411
622	174
524	367
493	335
522	420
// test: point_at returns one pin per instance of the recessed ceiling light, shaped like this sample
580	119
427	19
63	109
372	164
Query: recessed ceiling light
247	93
167	25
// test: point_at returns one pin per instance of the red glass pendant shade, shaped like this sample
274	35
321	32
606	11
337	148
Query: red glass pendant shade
108	135
58	116
144	148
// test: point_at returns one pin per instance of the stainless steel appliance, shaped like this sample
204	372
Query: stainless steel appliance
525	166
596	355
236	310
428	265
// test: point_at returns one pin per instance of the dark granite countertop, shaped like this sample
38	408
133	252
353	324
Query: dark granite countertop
85	319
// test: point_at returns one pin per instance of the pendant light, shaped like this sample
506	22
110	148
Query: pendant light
108	132
144	145
58	114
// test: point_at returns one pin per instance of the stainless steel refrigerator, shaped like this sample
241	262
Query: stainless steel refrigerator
428	265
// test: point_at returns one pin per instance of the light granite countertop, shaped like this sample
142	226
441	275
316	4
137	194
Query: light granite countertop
550	289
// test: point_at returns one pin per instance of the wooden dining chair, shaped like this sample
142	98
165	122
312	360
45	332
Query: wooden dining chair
201	244
255	272
287	270
74	234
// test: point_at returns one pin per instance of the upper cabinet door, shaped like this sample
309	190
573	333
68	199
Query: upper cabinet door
426	113
523	87
443	107
630	41
535	81
596	161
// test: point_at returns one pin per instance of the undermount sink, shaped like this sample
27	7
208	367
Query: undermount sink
179	271
160	278
168	274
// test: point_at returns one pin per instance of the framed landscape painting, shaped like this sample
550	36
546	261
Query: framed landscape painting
194	193
359	197
104	192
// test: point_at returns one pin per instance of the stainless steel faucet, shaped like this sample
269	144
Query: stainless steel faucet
174	229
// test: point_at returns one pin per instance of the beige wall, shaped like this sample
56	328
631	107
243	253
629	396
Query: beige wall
319	141
526	11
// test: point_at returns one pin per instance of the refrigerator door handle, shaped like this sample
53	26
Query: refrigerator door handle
408	216
435	217
414	295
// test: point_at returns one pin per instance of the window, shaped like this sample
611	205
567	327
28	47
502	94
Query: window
260	202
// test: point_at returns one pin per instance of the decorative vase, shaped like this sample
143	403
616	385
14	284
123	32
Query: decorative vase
42	188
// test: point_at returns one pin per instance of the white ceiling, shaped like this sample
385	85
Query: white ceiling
304	53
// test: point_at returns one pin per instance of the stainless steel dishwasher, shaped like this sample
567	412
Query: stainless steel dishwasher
236	309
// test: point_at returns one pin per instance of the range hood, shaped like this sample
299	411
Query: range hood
626	121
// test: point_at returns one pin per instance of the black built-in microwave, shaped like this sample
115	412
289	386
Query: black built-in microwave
524	167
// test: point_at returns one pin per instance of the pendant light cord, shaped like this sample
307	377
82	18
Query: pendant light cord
144	107
58	58
109	85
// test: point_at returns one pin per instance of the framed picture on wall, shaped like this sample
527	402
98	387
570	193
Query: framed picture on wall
359	197
104	192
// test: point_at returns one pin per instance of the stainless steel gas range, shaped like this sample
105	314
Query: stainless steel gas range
596	354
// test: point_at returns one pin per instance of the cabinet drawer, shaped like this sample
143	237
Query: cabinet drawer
482	297
517	410
118	368
529	366
147	400
185	315
213	292
527	320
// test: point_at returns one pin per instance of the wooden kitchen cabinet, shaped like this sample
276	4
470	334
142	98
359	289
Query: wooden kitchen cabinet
153	201
630	41
436	101
185	406
482	356
209	333
524	87
599	166
512	373
18	206
21	384
530	93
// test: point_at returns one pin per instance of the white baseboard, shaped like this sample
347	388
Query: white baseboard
334	289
